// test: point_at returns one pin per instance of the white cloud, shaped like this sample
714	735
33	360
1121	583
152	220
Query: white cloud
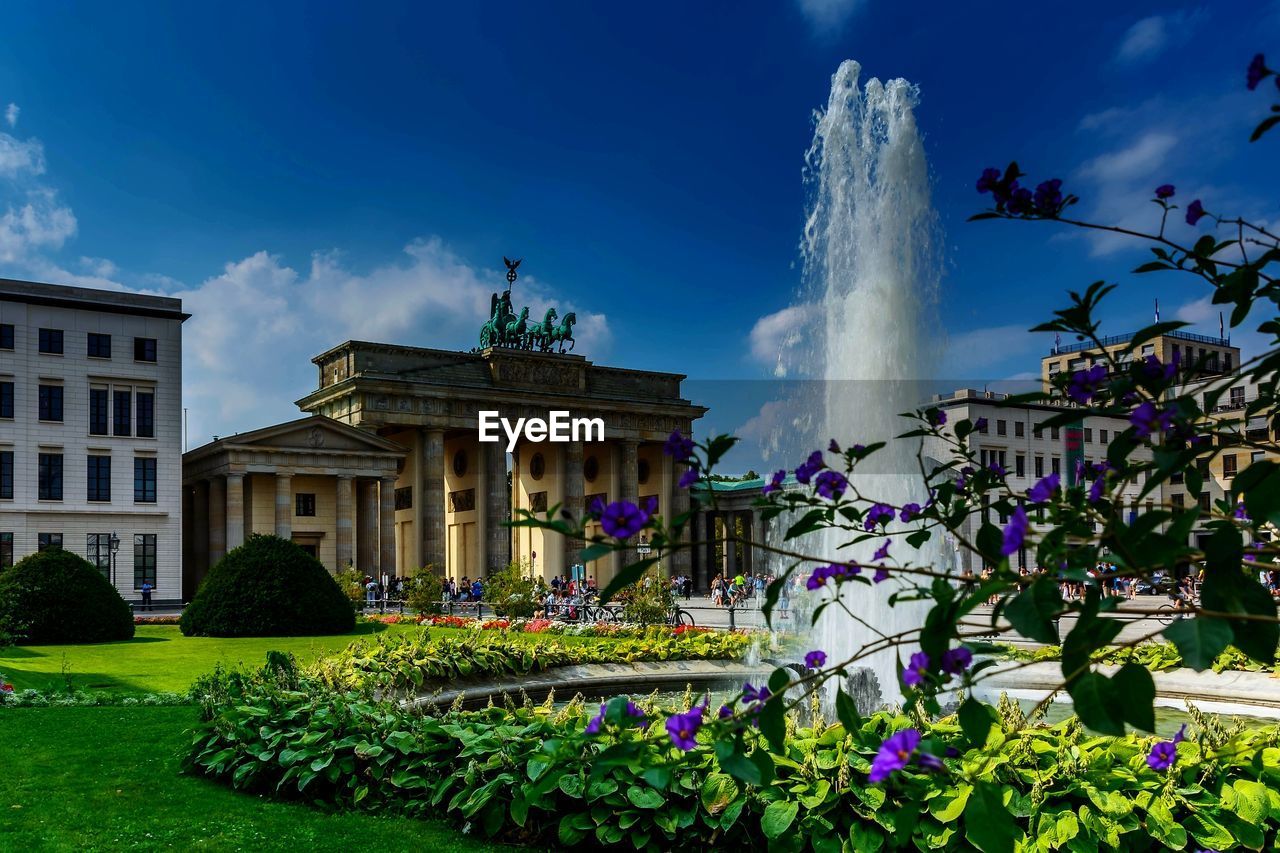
827	16
40	223
18	157
974	353
774	336
1142	160
1149	37
11	114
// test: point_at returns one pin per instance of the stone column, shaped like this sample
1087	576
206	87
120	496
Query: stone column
346	522
387	526
217	519
518	534
497	536
367	527
759	558
235	511
434	541
200	530
573	495
629	487
681	562
730	544
284	505
710	567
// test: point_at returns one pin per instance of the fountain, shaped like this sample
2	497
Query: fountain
871	272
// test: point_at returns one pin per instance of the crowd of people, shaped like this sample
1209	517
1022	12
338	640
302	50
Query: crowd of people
463	590
1110	582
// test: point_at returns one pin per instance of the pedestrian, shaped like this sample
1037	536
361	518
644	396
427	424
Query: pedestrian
146	595
371	590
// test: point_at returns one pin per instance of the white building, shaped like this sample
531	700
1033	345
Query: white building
91	430
1015	439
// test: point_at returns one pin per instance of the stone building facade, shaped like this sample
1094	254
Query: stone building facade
91	430
454	493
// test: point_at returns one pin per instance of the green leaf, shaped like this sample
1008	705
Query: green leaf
1033	612
1137	692
645	798
988	824
731	757
1097	704
950	804
778	817
595	552
975	721
1163	826
847	712
809	522
718	790
1199	640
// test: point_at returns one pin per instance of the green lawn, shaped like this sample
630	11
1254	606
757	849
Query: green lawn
159	658
108	779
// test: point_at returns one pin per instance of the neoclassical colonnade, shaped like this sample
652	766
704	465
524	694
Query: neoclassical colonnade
325	485
726	532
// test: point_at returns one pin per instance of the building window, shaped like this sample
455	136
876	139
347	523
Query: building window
6	340
1001	428
1178	499
1020	465
99	409
1055	464
49	485
1039	463
6	550
51	341
6	474
99	478
97	550
144	560
1204	501
144	480
981	425
48	541
1054	433
465	501
537	466
1088	435
50	403
304	503
99	345
6	400
1228	466
146	414
1102	436
1019	429
1237	398
144	349
404	498
123	421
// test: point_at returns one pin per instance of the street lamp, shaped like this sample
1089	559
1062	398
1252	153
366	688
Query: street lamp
114	542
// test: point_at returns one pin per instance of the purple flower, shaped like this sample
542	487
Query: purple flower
623	519
833	447
1154	370
755	694
633	710
775	482
1162	756
917	669
725	712
957	660
683	728
1255	72
1085	384
822	574
593	727
1095	491
811	466
1195	212
1048	197
1240	512
881	575
678	446
1044	489
815	659
980	425
649	504
1164	191
1015	532
1147	419
831	484
879	514
895	754
595	509
909	511
883	552
937	417
1020	200
689	477
989	180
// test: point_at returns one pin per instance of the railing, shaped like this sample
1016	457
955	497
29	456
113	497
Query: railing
1116	340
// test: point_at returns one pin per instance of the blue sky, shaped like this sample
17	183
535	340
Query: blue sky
304	173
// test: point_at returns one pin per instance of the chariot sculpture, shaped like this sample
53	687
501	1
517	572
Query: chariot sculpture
511	330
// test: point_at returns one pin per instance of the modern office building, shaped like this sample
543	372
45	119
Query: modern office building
91	430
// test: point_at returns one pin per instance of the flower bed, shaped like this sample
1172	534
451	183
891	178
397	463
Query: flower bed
157	620
1157	657
568	629
408	662
571	776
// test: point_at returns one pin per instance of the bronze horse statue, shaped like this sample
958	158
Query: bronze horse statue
564	332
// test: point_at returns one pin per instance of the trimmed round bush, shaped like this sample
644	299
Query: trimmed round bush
268	587
56	596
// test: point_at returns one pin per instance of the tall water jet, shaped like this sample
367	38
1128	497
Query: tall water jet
872	270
